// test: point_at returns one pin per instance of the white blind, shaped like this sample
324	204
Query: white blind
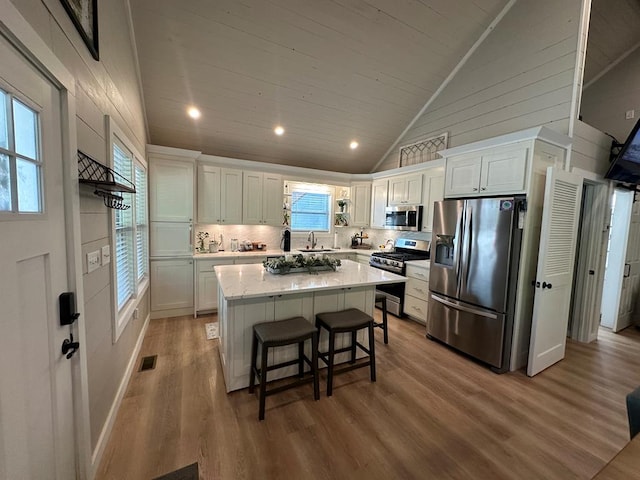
310	211
124	245
142	227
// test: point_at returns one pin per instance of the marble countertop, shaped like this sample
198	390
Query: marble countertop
253	281
273	253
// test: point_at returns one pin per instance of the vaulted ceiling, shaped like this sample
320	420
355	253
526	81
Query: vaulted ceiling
328	71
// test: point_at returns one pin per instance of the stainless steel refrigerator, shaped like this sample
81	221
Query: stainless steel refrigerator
473	276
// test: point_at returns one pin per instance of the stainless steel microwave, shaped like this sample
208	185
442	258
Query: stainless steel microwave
404	217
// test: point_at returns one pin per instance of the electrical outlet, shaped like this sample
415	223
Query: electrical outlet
135	314
106	254
93	261
629	114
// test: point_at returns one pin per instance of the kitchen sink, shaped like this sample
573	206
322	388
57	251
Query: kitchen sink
316	250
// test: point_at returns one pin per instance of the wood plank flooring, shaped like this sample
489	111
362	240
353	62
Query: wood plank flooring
432	414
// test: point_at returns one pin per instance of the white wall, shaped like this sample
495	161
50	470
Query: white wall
605	102
109	86
590	149
521	76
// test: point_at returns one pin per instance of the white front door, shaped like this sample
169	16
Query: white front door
631	270
36	407
554	275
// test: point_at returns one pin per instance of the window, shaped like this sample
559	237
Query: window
130	233
310	207
20	162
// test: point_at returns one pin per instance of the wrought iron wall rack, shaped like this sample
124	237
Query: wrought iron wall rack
107	182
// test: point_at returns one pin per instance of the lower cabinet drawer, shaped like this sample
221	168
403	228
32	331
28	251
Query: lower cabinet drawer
417	288
416	308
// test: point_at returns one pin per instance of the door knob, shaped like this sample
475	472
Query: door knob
546	285
69	347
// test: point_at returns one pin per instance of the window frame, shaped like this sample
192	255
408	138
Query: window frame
122	316
312	188
14	156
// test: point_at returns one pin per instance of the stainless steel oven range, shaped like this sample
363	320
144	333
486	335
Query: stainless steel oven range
405	250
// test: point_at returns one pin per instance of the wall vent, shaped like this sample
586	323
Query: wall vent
148	363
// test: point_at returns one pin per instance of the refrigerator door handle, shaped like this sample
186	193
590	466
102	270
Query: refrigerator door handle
458	246
464	274
457	306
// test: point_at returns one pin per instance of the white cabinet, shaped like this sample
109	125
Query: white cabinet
432	191
361	204
405	190
170	190
416	294
171	284
363	258
379	191
261	199
219	195
207	283
497	171
170	239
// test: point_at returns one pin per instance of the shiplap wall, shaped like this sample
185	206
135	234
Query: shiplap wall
590	149
110	87
605	102
521	76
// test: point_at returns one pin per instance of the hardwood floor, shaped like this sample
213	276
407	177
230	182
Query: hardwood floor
432	414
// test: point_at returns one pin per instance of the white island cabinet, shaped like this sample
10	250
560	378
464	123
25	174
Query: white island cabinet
247	295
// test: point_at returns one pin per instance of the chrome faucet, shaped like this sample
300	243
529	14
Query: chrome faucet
312	238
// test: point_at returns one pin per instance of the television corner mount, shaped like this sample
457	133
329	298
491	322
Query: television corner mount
107	182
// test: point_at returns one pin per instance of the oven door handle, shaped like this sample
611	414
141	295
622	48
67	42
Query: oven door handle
457	306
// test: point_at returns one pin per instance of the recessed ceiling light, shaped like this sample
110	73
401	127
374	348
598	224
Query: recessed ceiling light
278	130
193	112
353	145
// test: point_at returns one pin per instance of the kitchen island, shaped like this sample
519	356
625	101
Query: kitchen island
248	294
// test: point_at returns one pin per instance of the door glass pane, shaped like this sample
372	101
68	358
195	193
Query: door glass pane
26	130
4	139
28	186
5	184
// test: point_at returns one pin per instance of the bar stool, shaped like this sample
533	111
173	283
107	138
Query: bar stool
278	334
346	321
382	299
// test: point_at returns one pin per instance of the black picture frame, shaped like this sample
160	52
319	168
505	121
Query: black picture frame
84	15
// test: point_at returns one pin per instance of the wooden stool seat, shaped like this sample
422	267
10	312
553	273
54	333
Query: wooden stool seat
278	334
346	321
382	299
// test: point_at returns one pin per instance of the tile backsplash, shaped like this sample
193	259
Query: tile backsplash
271	236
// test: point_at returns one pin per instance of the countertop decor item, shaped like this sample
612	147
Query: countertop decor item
300	263
202	236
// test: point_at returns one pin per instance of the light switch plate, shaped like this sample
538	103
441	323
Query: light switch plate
106	254
629	114
93	261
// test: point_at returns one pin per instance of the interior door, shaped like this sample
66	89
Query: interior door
560	215
36	407
631	272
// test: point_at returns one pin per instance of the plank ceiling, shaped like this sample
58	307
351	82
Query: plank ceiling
328	71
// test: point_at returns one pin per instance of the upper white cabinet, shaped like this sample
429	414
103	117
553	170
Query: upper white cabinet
170	190
379	191
405	190
432	191
262	199
497	171
361	204
219	195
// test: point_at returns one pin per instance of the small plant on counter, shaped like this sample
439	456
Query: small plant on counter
202	236
297	263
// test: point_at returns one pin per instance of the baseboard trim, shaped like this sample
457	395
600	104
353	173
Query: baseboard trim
96	457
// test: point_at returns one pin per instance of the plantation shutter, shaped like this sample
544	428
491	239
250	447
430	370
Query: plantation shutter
310	211
142	228
124	245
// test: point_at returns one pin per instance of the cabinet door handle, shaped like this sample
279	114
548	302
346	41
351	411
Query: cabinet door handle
475	189
483	188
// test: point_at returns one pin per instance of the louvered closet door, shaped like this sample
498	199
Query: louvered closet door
556	259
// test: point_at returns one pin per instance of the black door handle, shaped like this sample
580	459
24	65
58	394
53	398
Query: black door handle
546	285
69	347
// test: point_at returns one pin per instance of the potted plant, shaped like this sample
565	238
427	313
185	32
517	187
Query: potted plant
342	203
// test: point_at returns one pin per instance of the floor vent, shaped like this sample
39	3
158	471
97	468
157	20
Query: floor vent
148	363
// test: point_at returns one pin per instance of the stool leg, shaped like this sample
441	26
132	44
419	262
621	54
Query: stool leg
353	347
263	381
301	359
254	355
372	353
384	320
314	366
332	338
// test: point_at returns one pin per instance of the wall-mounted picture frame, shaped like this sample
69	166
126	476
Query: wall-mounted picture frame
84	15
